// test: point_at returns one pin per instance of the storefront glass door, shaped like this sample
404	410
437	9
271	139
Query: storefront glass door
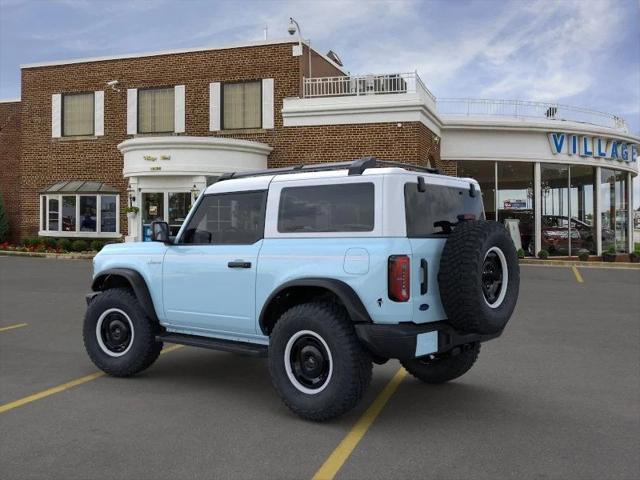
171	207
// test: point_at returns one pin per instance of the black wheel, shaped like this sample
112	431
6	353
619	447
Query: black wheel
479	277
440	369
118	336
317	364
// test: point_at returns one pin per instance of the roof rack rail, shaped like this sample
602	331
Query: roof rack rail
355	167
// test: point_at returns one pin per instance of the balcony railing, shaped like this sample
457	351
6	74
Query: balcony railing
472	107
398	83
356	85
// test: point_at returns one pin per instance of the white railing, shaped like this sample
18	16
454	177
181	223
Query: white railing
524	109
355	85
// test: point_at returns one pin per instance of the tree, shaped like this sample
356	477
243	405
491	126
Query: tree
4	222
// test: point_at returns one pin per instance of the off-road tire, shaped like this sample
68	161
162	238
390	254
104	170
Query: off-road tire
460	278
144	349
351	363
442	369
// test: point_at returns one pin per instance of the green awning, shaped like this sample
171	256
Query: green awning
80	186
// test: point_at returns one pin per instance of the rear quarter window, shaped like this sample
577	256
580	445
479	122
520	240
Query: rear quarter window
347	207
439	203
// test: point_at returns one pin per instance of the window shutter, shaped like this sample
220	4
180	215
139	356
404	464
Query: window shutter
179	100
214	106
267	103
132	111
98	111
56	115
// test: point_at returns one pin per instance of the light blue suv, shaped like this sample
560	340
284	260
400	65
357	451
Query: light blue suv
322	268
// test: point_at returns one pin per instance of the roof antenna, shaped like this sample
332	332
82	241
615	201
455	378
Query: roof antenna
266	32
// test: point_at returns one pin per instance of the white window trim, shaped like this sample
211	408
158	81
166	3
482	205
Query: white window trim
179	109
78	233
56	115
132	111
215	112
268	110
98	113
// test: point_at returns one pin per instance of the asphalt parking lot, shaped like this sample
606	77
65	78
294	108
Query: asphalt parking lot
557	396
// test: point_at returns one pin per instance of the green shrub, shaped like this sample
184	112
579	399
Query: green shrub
520	253
29	242
79	245
96	245
611	249
583	254
48	242
65	244
543	254
4	223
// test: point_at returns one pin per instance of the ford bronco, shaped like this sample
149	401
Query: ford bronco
325	269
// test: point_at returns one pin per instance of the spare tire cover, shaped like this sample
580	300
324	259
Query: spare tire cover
479	277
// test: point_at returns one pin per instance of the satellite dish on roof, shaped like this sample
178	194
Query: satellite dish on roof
333	56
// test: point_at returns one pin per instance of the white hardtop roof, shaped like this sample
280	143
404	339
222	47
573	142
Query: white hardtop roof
261	182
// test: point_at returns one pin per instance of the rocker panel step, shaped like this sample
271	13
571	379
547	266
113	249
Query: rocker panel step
244	348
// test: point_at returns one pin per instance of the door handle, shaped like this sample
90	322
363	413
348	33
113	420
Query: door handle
424	283
239	264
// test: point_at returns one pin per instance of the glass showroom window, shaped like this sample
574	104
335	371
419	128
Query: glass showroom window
582	208
78	114
515	202
555	208
614	210
156	110
242	105
80	215
485	173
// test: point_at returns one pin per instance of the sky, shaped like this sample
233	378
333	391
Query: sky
582	52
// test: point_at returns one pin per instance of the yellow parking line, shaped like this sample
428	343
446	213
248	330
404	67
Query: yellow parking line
577	274
334	463
65	386
11	327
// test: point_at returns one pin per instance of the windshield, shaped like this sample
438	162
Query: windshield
435	210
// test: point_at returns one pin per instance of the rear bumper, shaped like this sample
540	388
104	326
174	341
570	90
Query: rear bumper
408	340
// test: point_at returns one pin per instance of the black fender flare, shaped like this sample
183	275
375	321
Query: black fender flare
134	279
352	303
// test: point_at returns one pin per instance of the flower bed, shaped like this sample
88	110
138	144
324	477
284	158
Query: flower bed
54	245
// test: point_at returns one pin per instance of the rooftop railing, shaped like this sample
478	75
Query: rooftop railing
356	85
473	107
398	83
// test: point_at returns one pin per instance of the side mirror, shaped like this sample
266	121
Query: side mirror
160	232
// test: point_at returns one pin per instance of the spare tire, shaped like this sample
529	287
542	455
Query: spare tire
479	277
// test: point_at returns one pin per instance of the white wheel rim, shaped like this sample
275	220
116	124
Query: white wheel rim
103	347
505	277
287	363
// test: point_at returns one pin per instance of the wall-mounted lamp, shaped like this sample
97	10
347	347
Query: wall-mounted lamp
194	192
132	197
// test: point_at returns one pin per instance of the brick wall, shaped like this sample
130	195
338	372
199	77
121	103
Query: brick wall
10	162
46	160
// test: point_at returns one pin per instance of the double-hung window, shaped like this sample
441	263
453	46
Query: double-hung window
78	114
156	110
242	105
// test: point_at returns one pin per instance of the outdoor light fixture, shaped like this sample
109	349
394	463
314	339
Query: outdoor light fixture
293	28
131	193
194	192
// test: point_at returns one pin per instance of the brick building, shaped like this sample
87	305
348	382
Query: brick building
91	137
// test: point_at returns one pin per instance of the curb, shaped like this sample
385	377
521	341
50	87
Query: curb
61	256
577	263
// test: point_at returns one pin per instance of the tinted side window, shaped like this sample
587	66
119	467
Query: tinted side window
230	218
438	203
327	208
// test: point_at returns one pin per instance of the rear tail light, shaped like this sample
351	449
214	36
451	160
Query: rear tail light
399	278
